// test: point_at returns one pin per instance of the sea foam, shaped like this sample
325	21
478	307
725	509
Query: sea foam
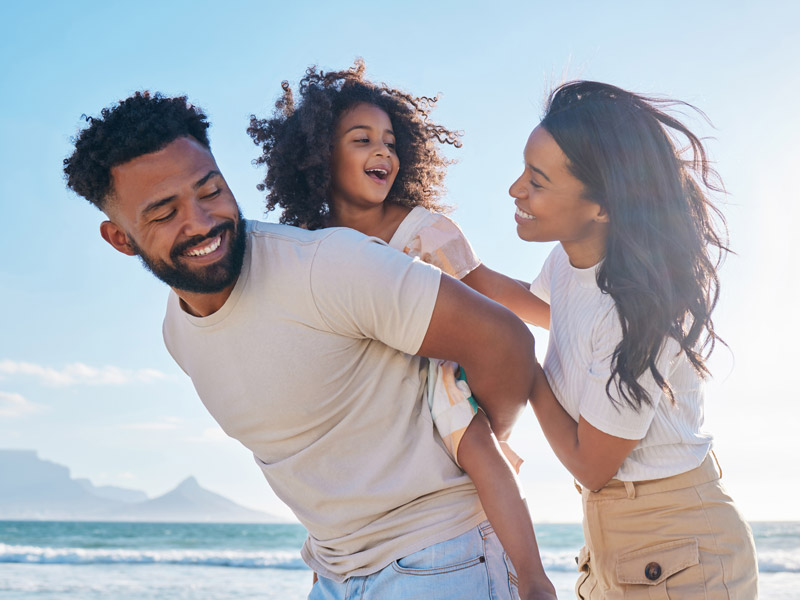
87	556
774	561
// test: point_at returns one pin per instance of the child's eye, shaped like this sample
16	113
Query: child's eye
390	145
362	140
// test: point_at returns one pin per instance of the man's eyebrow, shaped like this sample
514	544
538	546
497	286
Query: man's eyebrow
539	171
203	180
365	127
157	204
197	184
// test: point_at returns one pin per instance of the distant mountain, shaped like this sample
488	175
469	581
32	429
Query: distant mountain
113	492
190	502
31	488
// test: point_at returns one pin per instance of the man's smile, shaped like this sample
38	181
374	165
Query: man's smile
206	248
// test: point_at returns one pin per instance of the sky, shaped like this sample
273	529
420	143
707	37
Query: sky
84	377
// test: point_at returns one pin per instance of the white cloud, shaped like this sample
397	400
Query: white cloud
165	424
210	434
16	405
79	374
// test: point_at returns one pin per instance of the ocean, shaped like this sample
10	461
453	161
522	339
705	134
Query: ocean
129	561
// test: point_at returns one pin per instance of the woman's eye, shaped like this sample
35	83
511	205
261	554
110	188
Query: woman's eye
535	185
363	140
390	145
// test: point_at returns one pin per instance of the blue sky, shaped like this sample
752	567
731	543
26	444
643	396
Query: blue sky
84	377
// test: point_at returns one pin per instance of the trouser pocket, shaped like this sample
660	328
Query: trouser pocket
662	571
513	580
585	583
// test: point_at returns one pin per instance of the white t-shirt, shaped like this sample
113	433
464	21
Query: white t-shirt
309	365
584	331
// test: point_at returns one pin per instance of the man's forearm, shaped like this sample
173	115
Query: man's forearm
495	348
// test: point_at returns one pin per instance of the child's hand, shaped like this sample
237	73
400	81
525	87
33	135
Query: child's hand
539	594
538	589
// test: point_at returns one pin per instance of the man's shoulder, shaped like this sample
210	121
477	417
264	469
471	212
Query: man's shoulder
261	232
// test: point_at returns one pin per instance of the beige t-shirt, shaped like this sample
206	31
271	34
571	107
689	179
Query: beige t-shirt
309	365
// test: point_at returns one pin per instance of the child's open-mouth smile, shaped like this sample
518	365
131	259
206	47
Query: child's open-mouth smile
379	174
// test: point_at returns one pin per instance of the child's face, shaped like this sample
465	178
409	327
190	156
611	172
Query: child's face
364	163
550	200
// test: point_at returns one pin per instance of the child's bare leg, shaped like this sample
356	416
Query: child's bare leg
481	457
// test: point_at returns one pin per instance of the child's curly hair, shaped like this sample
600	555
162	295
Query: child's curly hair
297	142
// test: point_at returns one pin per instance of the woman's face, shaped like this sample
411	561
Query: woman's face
550	200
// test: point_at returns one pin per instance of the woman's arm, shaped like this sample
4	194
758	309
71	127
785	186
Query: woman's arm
512	294
593	457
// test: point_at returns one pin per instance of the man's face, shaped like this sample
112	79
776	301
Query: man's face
173	209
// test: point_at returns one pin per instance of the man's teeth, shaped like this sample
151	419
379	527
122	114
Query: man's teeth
205	249
523	215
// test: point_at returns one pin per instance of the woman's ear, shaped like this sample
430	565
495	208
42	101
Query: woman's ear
601	216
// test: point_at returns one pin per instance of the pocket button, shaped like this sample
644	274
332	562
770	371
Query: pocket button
652	571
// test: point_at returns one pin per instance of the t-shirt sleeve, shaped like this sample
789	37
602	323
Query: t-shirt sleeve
443	244
619	418
362	288
540	286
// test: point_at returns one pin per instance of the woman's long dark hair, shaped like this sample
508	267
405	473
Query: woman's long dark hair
666	238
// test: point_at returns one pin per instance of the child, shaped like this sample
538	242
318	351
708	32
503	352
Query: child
357	154
631	286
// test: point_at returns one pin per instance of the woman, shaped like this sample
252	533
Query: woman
631	288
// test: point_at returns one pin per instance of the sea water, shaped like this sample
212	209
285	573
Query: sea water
126	561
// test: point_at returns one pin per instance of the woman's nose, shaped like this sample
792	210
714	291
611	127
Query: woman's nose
517	189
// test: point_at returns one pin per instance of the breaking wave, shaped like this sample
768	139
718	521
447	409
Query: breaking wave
774	561
90	556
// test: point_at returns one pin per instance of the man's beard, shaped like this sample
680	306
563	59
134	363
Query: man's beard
209	279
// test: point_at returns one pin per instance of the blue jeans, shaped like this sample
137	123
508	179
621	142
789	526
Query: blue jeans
472	565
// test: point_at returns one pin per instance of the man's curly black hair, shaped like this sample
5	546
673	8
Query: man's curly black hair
297	142
141	124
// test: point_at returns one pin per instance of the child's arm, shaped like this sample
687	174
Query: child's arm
480	456
512	294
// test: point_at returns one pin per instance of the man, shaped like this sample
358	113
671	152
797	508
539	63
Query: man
301	344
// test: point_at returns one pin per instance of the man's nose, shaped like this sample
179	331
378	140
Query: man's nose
198	219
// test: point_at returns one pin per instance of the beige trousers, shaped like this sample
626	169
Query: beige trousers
678	537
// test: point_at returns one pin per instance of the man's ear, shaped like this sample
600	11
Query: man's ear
115	236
